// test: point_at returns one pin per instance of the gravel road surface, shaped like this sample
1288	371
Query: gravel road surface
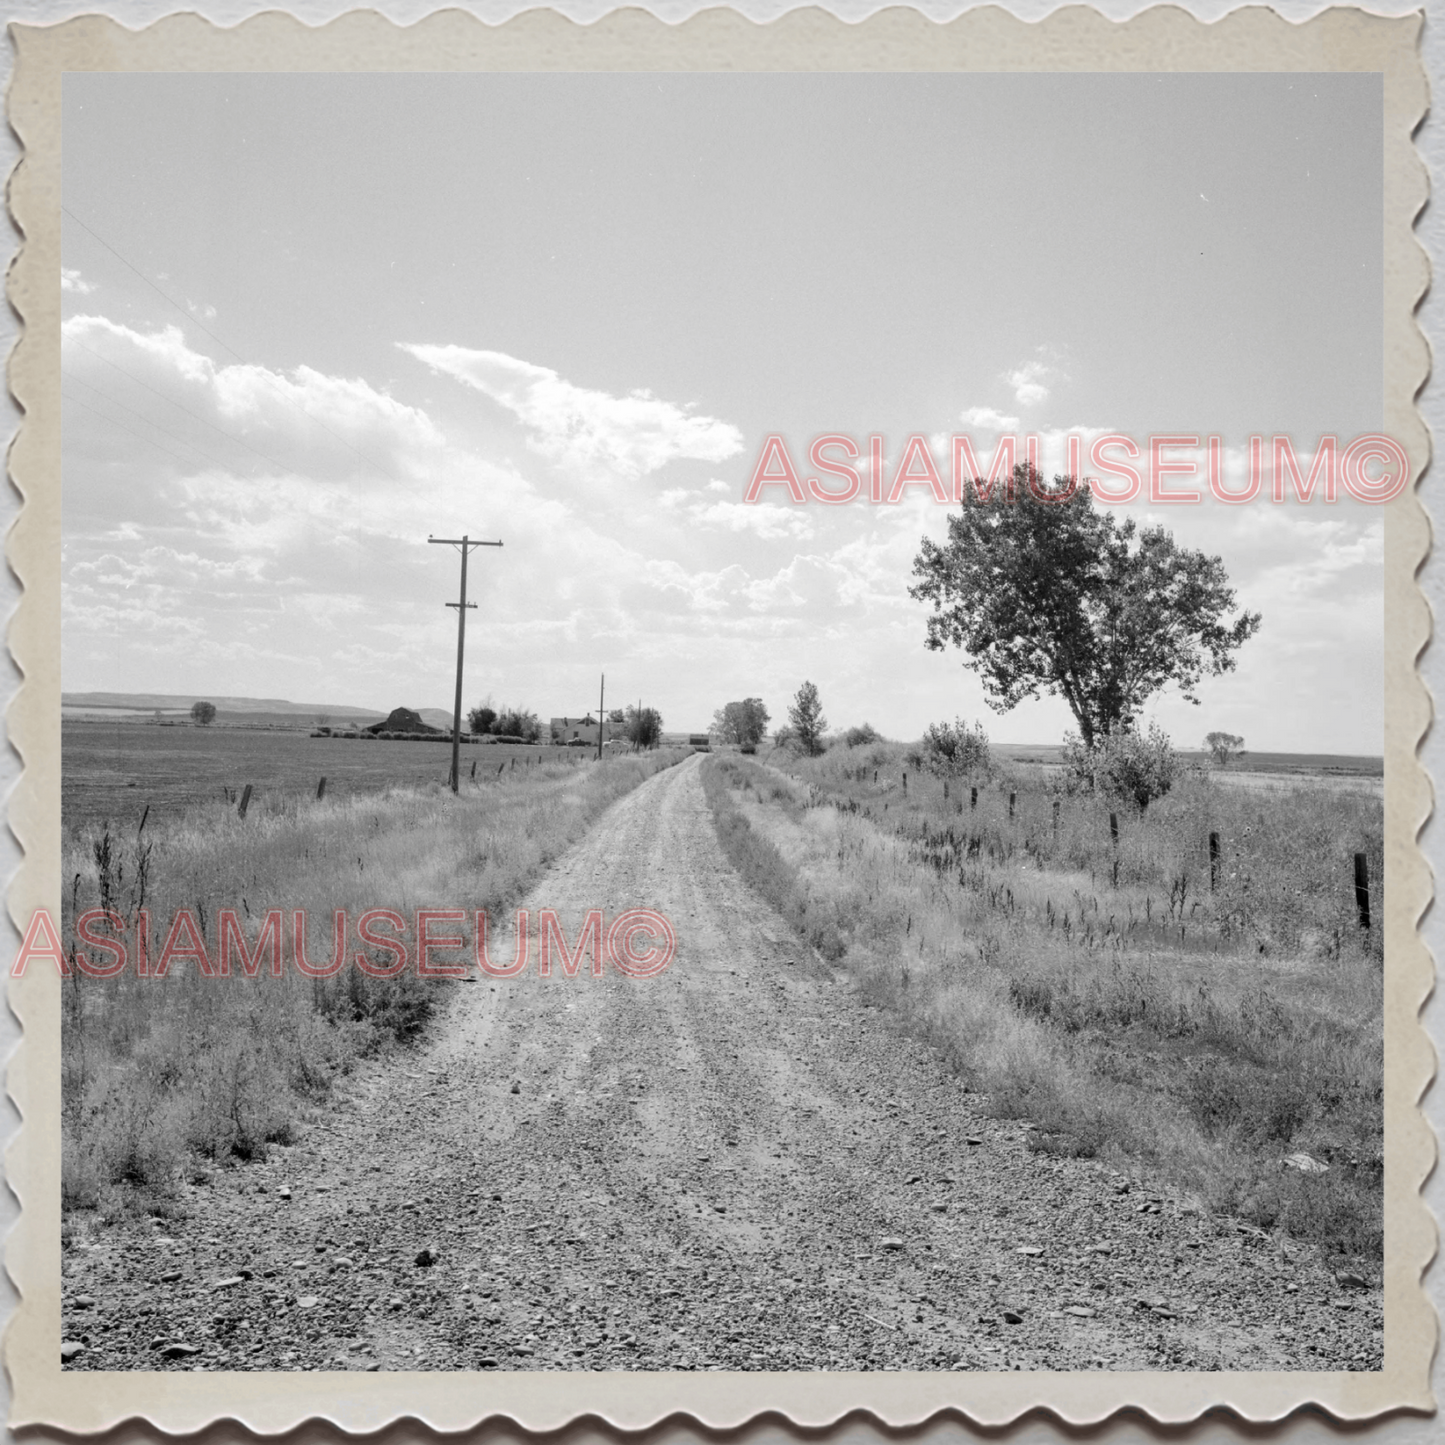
737	1164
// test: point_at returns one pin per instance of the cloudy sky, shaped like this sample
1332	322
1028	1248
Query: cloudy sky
310	320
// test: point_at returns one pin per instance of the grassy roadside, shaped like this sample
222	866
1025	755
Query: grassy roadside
1206	1042
165	1078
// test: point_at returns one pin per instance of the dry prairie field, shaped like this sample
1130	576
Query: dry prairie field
1342	772
116	771
1103	990
160	1075
1122	996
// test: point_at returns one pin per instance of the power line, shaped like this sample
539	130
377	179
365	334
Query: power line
149	441
171	301
240	442
156	390
140	416
184	312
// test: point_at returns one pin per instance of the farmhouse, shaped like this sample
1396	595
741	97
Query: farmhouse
574	729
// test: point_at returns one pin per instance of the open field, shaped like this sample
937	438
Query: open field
1341	772
1304	765
160	1073
116	770
740	1163
1106	991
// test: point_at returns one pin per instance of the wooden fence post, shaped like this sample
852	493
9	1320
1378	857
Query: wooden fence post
945	790
1011	798
1362	888
1213	861
973	797
321	790
1056	820
905	782
245	801
474	770
1114	829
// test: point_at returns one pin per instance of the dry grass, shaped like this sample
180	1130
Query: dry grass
1105	993
163	1076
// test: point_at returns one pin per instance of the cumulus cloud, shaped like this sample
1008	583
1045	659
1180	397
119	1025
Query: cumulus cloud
1028	382
765	520
628	436
235	418
985	418
72	280
761	519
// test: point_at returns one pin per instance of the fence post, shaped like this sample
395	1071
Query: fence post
321	790
474	769
1011	798
1114	829
1213	861
905	782
945	790
1056	820
973	797
245	801
1362	888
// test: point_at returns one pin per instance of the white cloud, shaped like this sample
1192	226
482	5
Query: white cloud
628	436
72	280
763	519
1028	383
985	418
235	418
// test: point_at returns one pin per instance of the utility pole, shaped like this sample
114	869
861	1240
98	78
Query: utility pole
601	716
465	545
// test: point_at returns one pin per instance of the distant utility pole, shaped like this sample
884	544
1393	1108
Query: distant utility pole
601	716
464	544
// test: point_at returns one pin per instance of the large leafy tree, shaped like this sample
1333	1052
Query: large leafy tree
1047	593
741	722
643	726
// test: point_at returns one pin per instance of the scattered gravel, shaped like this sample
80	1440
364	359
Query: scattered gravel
738	1165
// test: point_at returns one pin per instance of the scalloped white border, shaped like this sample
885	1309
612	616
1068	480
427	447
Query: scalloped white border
988	38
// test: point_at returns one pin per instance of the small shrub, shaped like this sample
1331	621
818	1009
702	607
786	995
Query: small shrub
954	749
861	736
1123	765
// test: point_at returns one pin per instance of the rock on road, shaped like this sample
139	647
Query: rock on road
737	1164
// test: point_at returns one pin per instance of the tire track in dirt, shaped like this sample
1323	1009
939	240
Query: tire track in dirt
736	1165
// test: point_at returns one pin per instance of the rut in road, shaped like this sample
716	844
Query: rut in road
737	1164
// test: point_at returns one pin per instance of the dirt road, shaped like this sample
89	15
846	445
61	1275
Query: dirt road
735	1165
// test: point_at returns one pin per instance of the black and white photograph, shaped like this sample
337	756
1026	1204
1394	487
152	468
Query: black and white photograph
722	722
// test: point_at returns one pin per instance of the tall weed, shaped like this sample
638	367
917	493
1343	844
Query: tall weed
160	1073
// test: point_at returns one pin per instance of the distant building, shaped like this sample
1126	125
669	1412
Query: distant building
566	730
